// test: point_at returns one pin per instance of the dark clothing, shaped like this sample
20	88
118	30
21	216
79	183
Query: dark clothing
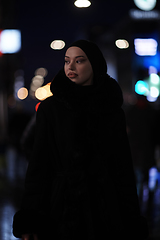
80	182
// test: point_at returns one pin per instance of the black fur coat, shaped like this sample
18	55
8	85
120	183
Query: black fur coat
80	181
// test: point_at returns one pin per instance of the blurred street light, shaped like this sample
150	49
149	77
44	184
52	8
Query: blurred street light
57	44
82	3
10	41
146	5
43	92
122	43
22	93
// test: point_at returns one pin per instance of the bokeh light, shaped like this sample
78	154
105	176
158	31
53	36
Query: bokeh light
145	5
122	43
22	93
141	88
145	46
154	78
57	44
152	69
154	92
82	3
10	41
151	99
43	92
38	80
41	72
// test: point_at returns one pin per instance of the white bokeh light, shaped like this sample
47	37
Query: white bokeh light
82	3
145	46
122	43
146	5
10	41
57	44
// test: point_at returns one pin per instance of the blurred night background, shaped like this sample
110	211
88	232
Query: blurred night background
128	33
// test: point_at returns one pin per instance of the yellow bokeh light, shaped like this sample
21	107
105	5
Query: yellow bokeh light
122	43
47	88
22	93
57	44
82	3
43	92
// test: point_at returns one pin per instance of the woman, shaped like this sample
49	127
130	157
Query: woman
80	181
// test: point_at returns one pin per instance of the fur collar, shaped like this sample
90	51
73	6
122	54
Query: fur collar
105	95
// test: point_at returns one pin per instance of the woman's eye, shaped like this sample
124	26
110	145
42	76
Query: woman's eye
66	61
80	61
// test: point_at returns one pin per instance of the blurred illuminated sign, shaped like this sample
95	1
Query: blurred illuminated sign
10	41
146	5
144	15
145	46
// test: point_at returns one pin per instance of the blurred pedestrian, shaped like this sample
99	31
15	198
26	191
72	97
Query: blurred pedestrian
80	181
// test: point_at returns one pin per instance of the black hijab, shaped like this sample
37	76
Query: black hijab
105	91
94	55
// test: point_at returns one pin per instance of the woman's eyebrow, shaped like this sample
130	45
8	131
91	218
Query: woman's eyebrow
75	57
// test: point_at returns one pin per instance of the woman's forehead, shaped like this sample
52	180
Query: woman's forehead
75	51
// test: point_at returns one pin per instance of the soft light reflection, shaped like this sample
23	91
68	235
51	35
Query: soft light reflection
122	43
82	3
57	44
22	93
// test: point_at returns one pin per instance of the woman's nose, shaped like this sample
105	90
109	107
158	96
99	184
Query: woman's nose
71	66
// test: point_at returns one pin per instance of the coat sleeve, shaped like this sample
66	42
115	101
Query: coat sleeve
134	225
32	216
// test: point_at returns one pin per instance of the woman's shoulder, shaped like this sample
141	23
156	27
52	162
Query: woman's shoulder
48	103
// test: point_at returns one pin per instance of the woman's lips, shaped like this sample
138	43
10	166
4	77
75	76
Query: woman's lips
72	75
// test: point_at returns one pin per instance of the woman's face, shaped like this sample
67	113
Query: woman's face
78	67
